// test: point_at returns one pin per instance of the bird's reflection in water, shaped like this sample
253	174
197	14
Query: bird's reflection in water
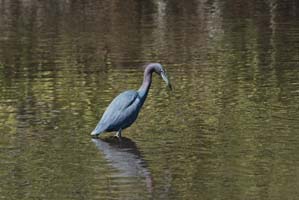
125	157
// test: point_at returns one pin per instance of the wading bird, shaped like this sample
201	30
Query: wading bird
124	109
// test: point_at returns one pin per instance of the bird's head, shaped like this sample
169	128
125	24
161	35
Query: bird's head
157	67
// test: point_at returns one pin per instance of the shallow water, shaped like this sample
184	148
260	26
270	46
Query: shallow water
228	130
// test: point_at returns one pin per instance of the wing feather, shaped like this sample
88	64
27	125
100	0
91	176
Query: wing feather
120	112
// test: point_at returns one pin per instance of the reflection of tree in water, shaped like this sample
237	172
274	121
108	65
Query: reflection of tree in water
126	158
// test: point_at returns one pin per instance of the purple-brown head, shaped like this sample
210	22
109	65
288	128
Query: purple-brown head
157	67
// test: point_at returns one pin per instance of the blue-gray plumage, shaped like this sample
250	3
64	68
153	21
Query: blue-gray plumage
124	109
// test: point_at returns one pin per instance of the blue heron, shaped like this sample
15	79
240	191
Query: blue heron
124	109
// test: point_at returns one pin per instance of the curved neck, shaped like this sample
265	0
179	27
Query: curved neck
147	80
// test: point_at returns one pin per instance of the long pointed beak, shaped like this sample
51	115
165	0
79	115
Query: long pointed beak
165	78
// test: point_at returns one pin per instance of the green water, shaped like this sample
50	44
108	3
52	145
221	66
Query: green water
229	130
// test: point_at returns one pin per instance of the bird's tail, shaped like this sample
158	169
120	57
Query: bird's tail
98	130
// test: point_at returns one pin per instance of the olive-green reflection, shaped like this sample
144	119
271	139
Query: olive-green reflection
227	131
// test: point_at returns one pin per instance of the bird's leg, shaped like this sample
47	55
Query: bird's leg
118	134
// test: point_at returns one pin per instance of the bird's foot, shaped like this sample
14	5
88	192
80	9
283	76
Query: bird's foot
95	136
118	135
119	138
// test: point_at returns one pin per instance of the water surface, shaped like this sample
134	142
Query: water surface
229	130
